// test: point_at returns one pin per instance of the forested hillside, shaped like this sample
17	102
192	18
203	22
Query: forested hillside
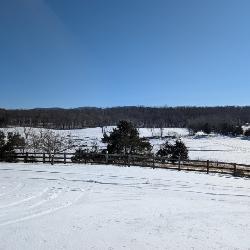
193	117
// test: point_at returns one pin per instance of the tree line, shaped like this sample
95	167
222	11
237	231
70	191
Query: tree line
195	118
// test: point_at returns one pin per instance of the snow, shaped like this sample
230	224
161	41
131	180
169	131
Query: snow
219	148
201	146
149	132
108	207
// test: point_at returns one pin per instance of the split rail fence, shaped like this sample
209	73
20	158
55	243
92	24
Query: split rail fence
151	161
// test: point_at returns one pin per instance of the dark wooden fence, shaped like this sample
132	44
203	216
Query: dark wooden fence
151	161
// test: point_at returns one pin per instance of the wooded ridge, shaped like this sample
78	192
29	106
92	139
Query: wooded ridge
59	118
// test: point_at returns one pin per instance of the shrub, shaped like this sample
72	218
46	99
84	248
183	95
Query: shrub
247	132
239	173
174	151
79	155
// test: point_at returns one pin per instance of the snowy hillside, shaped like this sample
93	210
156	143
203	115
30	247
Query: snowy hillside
105	207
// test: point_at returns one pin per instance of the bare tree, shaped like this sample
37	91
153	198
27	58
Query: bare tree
27	132
152	132
94	147
161	132
34	140
49	141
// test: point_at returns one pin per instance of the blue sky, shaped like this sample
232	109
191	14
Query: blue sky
60	53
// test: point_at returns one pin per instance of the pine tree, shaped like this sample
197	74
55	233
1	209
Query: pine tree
2	139
179	150
247	132
125	140
166	150
9	144
174	151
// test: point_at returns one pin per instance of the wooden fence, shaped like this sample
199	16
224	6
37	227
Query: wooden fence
151	161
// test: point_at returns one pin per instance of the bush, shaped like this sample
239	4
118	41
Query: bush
237	130
174	151
79	155
166	150
84	156
239	173
247	132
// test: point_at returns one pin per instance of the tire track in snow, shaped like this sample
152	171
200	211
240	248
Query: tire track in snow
24	200
18	187
13	208
52	197
42	213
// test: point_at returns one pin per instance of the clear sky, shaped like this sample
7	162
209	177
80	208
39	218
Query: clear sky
61	53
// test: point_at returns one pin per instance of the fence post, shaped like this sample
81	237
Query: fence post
107	158
52	159
65	158
153	160
13	156
128	160
26	157
43	157
235	169
179	163
207	166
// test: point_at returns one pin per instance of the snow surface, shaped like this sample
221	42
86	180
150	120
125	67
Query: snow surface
108	207
203	147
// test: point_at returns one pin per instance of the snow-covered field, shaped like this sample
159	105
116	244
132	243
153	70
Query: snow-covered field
107	207
219	148
203	147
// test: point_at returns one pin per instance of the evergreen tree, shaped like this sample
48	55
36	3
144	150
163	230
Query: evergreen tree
174	151
15	141
166	150
237	131
8	146
2	139
207	128
125	140
179	150
247	132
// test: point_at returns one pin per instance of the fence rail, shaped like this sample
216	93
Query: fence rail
241	170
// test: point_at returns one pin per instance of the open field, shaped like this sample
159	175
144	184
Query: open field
107	207
201	147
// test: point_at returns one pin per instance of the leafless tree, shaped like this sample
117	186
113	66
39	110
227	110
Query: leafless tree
27	132
94	147
152	132
161	132
49	141
34	141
